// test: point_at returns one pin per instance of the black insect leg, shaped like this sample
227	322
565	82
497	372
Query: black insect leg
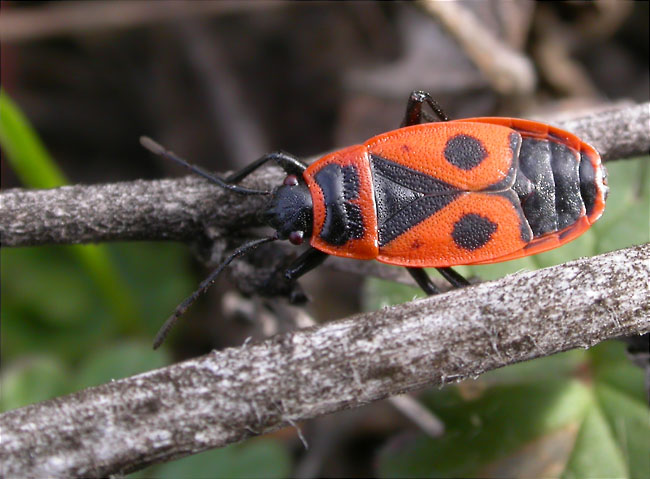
289	163
454	278
422	279
414	113
301	265
305	263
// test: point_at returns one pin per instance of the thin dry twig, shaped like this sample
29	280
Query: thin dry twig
616	134
230	395
507	70
241	135
422	417
75	18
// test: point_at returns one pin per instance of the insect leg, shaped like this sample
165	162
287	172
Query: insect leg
305	263
287	162
203	287
422	279
414	113
454	278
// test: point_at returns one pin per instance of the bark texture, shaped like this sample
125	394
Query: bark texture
172	209
229	395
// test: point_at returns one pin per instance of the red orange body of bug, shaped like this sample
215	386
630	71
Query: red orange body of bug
436	194
462	192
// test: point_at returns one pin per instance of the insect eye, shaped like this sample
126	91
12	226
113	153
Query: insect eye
291	180
295	237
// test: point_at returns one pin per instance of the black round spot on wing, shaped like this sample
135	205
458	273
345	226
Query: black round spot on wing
473	231
465	152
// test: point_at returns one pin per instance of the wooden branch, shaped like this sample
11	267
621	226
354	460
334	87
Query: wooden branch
508	70
229	395
617	134
172	209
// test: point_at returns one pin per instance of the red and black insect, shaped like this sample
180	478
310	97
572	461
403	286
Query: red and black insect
431	194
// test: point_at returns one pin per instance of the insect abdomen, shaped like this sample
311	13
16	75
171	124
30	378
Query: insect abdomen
548	185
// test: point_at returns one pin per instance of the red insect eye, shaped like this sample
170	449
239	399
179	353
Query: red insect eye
295	237
291	180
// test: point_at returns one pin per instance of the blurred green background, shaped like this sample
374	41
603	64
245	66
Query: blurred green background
222	87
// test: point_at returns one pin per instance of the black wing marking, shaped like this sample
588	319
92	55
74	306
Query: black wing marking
405	197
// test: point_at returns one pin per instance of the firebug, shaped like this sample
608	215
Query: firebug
430	194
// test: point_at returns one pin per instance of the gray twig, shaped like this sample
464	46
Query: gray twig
229	395
171	209
617	134
508	70
72	18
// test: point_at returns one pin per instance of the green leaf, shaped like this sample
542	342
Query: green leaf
258	458
379	293
578	415
498	270
45	291
159	275
628	421
595	453
542	369
486	431
612	368
31	380
24	150
49	305
35	167
118	361
46	284
626	220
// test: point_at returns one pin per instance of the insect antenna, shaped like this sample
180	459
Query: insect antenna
203	287
158	149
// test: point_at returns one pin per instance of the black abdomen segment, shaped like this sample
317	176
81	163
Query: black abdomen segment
555	185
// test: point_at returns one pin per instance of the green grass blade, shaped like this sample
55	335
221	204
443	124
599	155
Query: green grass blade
34	166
